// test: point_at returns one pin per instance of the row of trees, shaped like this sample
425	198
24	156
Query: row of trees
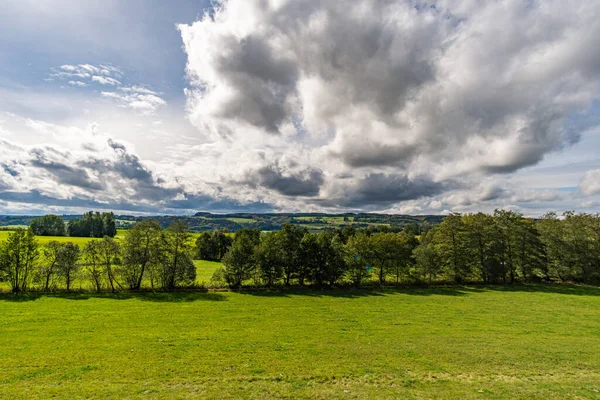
48	225
328	258
93	224
147	255
503	247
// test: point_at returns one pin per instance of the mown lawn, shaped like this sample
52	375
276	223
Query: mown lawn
462	343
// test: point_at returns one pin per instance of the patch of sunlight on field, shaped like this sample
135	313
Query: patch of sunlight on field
205	270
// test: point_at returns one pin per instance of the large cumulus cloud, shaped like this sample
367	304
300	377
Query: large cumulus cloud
390	100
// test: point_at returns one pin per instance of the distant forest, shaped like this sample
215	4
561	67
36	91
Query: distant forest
207	222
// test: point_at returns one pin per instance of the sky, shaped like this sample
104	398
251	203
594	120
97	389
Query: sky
393	106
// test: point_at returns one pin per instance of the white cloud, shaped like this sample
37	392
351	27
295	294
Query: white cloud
143	100
138	89
106	80
402	98
143	103
590	184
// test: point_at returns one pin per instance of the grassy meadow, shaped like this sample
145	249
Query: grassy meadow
463	343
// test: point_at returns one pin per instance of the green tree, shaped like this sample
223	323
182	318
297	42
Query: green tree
68	262
508	225
270	258
240	260
109	224
310	262
358	255
212	246
402	255
552	235
18	256
48	225
49	269
291	236
428	260
109	255
176	268
205	247
92	258
141	248
451	245
386	252
481	236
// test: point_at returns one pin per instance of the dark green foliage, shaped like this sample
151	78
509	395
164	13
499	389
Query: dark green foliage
506	247
310	260
48	225
212	246
240	260
359	258
109	224
270	257
291	236
93	225
331	251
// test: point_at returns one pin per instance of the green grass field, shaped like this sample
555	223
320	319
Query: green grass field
242	220
205	270
448	343
81	241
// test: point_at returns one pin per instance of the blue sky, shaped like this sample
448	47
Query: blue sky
148	106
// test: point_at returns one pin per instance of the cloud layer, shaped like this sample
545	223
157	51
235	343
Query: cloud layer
376	105
399	99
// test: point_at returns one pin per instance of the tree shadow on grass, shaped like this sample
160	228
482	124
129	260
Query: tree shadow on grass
316	292
566	289
156	297
352	293
447	290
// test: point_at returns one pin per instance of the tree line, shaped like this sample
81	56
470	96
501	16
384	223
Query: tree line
147	256
503	247
91	224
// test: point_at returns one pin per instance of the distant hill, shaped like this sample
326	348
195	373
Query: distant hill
203	221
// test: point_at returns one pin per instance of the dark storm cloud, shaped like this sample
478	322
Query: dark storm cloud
394	188
208	203
305	183
192	202
63	173
376	191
